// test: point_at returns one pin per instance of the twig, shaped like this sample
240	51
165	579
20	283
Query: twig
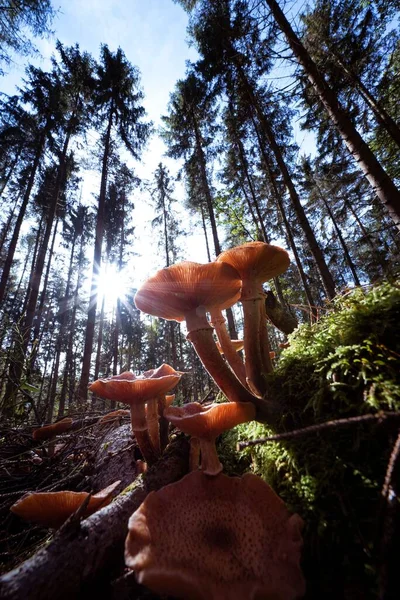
380	417
387	485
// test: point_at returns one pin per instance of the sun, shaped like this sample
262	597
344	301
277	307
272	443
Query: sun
112	285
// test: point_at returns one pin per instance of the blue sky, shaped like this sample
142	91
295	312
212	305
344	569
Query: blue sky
152	34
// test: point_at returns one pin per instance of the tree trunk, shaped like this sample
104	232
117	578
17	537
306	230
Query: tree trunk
381	115
69	355
21	214
63	306
205	185
99	341
4	182
346	253
91	319
260	224
203	220
43	297
7	224
379	180
315	250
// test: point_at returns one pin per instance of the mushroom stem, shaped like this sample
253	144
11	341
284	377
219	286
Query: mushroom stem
194	454
152	423
146	447
163	423
234	360
255	371
264	340
203	343
210	464
141	433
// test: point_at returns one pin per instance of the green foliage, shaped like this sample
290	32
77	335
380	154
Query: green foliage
347	364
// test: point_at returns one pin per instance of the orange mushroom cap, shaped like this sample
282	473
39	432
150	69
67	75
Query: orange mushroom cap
256	261
209	421
225	537
113	416
130	389
174	291
52	509
49	431
237	344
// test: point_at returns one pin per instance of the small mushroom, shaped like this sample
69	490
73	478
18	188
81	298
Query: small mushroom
256	262
238	345
225	537
52	509
113	416
137	391
47	432
206	423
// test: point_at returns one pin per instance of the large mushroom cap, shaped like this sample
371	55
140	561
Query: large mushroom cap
212	538
52	509
256	261
173	292
209	421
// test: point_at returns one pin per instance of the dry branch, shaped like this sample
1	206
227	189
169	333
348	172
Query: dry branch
79	552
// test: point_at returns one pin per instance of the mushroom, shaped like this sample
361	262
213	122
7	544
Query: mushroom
256	262
52	509
225	537
113	416
137	391
186	291
238	345
47	432
206	423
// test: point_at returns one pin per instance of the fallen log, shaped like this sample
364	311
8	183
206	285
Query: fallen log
82	550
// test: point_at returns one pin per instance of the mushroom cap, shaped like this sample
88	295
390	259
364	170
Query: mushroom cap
114	415
225	537
49	431
174	291
130	389
209	421
52	509
237	344
256	261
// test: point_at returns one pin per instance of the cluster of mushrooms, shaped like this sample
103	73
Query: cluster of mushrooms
225	537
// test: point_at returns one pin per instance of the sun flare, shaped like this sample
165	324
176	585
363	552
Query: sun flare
112	285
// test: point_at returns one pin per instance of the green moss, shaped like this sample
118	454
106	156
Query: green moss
347	364
138	482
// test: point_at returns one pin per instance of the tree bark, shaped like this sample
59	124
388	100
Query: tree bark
379	180
91	319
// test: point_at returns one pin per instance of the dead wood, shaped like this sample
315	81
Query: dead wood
115	458
279	315
81	551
